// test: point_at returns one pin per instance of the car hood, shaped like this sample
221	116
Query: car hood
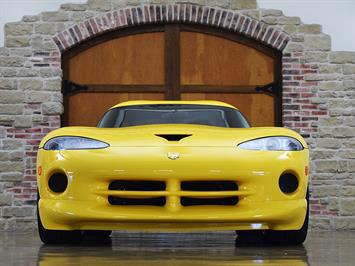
195	135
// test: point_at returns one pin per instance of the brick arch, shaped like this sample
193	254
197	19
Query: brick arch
171	13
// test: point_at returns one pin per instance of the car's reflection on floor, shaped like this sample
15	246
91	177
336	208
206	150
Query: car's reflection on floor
170	249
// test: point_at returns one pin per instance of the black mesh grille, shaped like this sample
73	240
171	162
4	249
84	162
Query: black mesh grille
227	201
137	185
209	186
158	201
125	185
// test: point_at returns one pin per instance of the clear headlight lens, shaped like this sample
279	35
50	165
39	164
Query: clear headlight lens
272	144
74	143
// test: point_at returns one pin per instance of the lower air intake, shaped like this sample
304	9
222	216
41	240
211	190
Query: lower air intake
137	185
209	186
159	201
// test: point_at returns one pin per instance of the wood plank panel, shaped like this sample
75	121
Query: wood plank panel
127	60
259	109
211	60
86	109
172	62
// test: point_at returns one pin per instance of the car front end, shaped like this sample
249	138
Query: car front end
173	166
139	180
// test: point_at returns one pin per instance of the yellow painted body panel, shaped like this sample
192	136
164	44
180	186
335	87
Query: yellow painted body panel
135	153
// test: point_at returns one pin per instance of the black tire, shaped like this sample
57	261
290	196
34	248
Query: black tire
250	237
97	237
97	233
56	237
274	237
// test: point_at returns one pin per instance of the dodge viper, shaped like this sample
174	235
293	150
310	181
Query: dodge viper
173	166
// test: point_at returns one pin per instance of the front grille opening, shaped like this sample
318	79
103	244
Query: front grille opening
157	201
226	201
209	185
137	185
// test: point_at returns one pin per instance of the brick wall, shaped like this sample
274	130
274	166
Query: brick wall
318	92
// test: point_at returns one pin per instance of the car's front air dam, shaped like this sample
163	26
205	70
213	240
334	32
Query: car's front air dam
277	215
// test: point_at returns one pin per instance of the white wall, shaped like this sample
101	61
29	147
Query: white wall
14	10
336	16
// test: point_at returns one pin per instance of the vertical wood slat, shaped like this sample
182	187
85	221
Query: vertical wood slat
172	62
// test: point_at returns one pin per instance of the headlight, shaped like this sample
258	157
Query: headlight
74	143
272	144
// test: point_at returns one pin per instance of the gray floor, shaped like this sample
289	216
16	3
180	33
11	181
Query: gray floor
321	248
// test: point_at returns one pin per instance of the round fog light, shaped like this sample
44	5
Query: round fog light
58	183
288	183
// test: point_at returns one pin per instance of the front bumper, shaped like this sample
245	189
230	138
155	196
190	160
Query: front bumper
277	215
85	205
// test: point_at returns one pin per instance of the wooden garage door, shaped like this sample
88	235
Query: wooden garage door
171	62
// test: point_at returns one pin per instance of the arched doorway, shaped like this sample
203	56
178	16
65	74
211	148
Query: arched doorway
172	61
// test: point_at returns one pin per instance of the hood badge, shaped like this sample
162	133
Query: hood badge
173	155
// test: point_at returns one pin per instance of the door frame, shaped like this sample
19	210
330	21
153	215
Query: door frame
172	87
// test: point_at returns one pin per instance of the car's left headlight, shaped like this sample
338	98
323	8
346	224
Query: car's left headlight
272	144
74	143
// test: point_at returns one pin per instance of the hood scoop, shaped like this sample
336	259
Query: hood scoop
173	137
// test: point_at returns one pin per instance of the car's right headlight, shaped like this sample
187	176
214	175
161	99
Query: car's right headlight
74	143
277	143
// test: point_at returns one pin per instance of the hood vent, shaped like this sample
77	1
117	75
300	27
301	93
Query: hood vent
173	137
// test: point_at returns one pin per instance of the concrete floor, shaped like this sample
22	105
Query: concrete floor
127	248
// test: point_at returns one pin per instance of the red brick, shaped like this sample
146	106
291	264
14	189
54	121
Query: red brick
291	60
297	54
291	118
302	101
301	124
310	118
93	26
30	178
308	106
308	95
33	142
309	71
291	107
319	112
309	83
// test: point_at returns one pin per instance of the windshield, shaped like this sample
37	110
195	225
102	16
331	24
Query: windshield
137	115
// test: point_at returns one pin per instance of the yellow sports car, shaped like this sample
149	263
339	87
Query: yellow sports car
173	166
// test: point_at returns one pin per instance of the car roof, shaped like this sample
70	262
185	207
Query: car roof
132	103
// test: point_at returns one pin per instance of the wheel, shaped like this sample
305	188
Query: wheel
274	237
57	236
